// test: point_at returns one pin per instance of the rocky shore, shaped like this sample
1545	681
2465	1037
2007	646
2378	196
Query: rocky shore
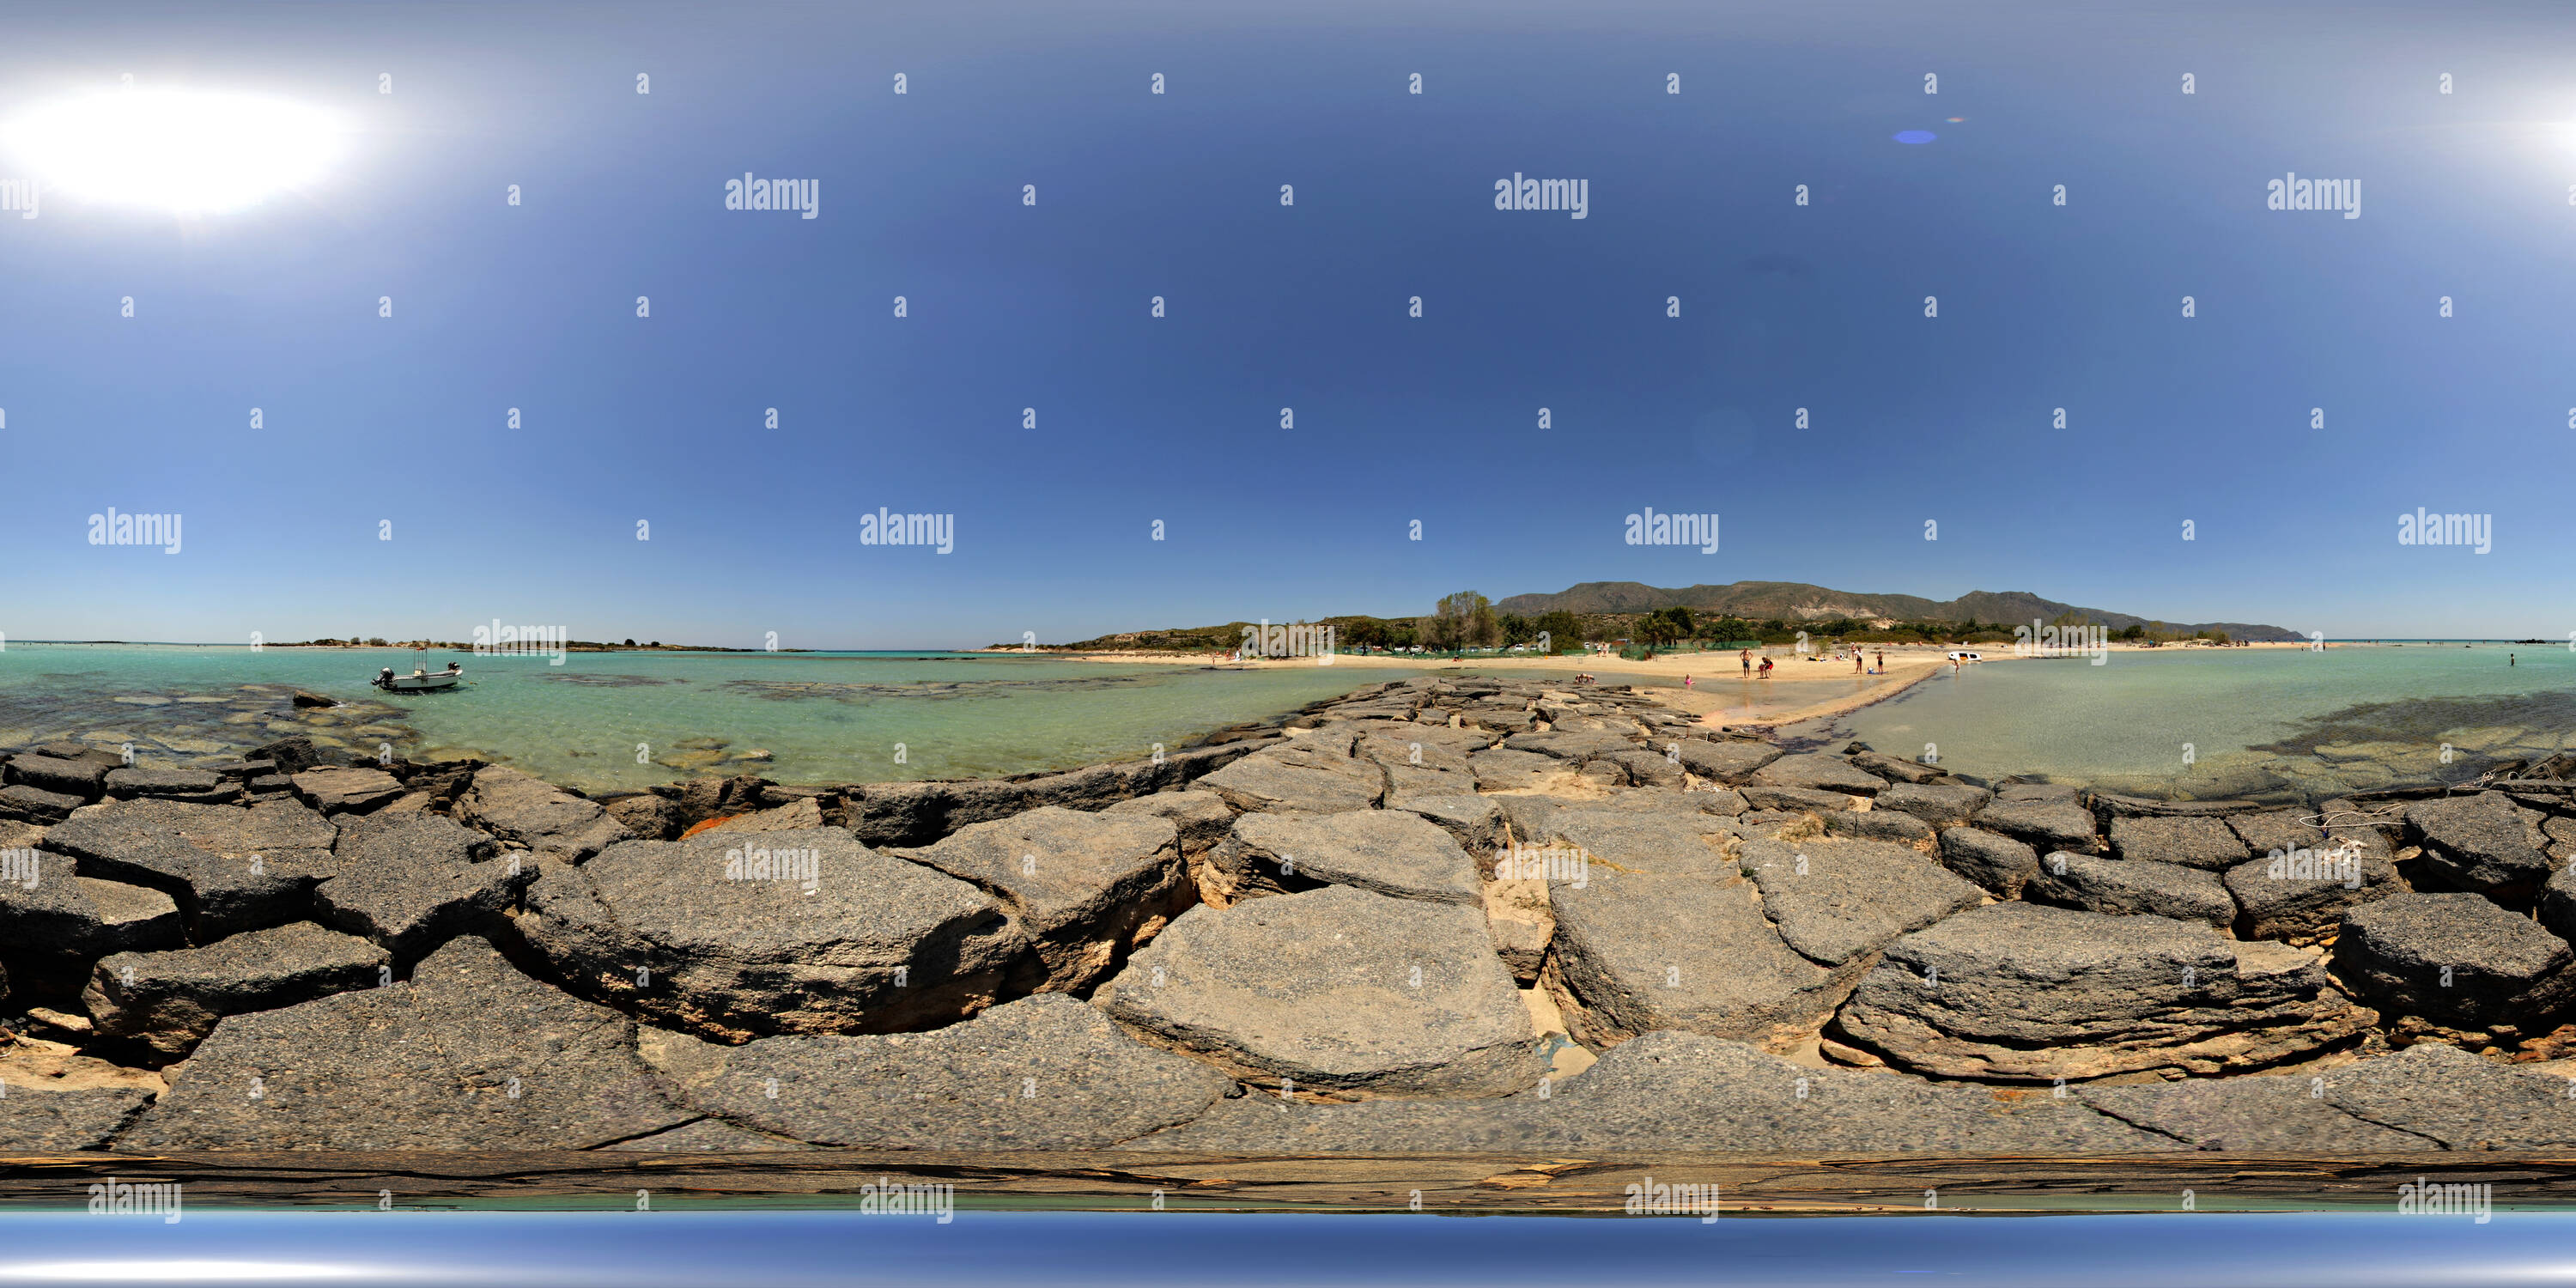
1444	914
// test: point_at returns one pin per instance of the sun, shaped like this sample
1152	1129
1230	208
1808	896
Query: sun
186	152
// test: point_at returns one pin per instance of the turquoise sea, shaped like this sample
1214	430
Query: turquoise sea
2237	722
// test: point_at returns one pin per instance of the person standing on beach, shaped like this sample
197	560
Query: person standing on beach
1882	661
1857	661
1747	656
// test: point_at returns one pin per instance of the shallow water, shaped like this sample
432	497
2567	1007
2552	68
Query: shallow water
2254	722
788	716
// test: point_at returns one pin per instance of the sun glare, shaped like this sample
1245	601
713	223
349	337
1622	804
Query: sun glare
185	152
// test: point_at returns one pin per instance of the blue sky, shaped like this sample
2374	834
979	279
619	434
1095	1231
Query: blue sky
1396	418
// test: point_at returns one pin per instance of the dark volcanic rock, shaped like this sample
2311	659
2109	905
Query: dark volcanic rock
2204	843
734	937
2132	886
1940	804
1816	771
1086	888
537	814
172	784
2047	825
81	778
171	1000
2302	895
410	881
2453	957
1390	852
53	925
1339	991
467	1055
648	817
2481	843
1999	863
2017	990
230	869
35	804
1044	1072
1836	900
40	1120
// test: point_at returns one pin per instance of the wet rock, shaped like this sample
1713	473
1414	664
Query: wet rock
1681	948
2204	843
1298	780
2481	843
230	869
2130	887
1389	852
2046	825
788	932
308	699
2026	991
85	779
2301	896
1942	805
195	785
1676	1091
23	803
467	1055
537	814
53	925
1816	771
346	791
410	881
2000	864
171	1000
1834	901
1085	888
1340	991
1044	1072
2453	957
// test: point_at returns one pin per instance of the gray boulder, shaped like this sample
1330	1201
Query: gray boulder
1998	863
171	784
1298	779
2026	991
1390	852
733	938
2302	895
2204	843
537	814
1044	1072
2047	825
171	1000
230	869
39	1119
1339	991
1880	825
85	779
1085	888
2483	843
1834	901
1727	760
1940	804
1816	771
53	925
2453	957
466	1055
2129	887
410	881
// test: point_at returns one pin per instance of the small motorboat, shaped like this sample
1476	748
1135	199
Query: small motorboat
419	680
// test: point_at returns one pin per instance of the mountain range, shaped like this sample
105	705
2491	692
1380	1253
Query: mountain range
1793	601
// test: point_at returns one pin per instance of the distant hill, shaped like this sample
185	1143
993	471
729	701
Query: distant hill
1798	601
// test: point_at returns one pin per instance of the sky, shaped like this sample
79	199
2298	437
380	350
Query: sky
1030	393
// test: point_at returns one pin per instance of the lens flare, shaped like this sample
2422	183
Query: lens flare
186	152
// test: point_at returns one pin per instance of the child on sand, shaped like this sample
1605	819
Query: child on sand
1766	668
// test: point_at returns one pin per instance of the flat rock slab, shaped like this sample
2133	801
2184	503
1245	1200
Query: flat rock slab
1200	815
1044	1072
2283	830
1678	1091
1647	842
1834	901
537	814
81	778
1388	852
1727	760
1939	804
171	1000
410	881
1295	779
2302	895
346	791
2127	887
56	921
2026	991
2453	957
1505	770
2205	843
1635	952
1340	991
1086	888
230	868
2281	1115
1998	863
2482	843
736	937
427	1064
1881	825
40	1120
2046	825
1811	800
1474	822
36	805
2456	1099
176	784
1576	746
1816	771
